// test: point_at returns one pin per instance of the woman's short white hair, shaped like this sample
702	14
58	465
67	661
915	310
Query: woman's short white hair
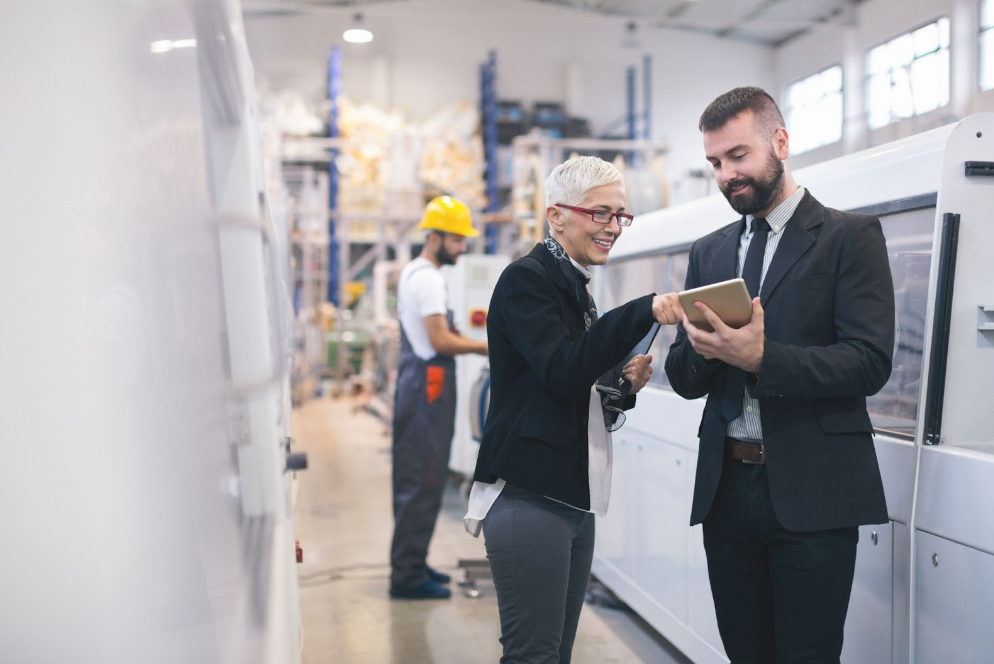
570	181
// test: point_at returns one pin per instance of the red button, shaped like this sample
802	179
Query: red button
478	318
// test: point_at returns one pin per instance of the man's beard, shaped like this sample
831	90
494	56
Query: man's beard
764	190
443	256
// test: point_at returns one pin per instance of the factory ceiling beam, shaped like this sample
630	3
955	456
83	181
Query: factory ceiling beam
767	22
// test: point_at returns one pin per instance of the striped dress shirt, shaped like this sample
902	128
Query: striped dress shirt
747	426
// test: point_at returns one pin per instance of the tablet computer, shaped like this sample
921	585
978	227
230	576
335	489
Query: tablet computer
642	347
728	299
624	386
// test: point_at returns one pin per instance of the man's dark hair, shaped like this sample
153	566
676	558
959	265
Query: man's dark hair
739	100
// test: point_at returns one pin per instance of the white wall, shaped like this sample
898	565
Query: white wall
869	24
427	53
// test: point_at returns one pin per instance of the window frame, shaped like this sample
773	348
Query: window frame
867	111
980	44
842	95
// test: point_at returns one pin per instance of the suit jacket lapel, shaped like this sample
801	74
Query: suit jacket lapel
725	259
797	239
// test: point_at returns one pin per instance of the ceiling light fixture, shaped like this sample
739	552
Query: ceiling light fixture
357	34
631	38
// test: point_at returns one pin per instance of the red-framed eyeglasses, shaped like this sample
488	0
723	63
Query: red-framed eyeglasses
602	216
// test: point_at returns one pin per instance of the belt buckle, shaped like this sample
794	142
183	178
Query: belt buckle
757	462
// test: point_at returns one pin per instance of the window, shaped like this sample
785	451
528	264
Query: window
894	409
987	45
908	75
814	110
628	278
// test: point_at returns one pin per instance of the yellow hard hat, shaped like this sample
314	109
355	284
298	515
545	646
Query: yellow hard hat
449	215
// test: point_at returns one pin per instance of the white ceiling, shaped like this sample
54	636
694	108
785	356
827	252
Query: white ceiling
769	22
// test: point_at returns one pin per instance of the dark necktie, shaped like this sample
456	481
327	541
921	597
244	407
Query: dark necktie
752	272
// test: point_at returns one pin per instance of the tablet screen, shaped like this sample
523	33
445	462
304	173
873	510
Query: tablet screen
728	299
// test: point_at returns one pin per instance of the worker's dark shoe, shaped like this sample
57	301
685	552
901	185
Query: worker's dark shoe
427	590
438	577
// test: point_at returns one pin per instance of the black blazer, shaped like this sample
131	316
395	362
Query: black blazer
829	304
542	366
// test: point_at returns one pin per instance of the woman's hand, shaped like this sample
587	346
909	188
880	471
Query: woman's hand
667	309
637	372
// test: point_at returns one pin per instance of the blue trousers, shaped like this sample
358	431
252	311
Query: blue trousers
540	553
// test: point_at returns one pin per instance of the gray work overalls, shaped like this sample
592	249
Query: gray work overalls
423	425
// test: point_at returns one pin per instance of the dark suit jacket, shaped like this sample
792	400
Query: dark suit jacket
542	366
829	304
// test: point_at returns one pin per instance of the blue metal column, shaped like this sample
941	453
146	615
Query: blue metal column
647	96
334	90
488	118
631	112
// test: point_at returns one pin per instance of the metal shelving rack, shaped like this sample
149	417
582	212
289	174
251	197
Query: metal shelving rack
534	158
334	90
488	120
308	252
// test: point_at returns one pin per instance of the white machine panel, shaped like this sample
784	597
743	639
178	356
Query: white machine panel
955	494
702	619
901	611
665	494
470	283
613	545
142	383
870	620
644	551
970	360
955	602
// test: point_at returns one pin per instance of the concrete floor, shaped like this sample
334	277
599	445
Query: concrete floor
344	523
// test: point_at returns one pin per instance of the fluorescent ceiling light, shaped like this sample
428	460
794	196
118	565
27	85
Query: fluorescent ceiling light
357	36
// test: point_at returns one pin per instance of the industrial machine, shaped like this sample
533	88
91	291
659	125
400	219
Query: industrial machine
146	344
924	586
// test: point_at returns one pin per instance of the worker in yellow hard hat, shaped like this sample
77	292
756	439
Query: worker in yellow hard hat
425	398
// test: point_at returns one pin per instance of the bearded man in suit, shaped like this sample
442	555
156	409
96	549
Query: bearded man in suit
787	469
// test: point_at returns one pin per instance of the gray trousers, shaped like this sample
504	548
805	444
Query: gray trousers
540	553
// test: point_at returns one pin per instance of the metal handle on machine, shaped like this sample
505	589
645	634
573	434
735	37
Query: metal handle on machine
985	320
294	460
269	242
940	329
982	168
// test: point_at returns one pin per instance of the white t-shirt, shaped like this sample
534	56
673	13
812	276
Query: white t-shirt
420	293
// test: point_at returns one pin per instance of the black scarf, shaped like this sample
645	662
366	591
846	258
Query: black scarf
612	386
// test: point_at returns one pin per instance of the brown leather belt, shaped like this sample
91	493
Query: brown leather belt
748	453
